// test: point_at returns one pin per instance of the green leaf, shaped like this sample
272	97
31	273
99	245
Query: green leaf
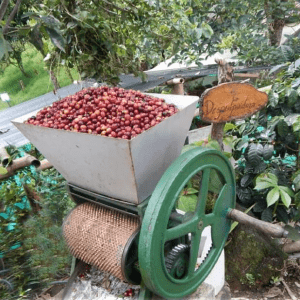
263	185
187	203
267	215
285	198
4	47
242	143
228	141
207	30
273	196
3	171
283	128
296	126
273	98
282	214
56	38
287	190
268	151
246	180
296	183
253	155
191	191
293	96
229	126
214	145
297	199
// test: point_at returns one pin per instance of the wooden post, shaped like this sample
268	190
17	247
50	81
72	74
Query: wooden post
225	74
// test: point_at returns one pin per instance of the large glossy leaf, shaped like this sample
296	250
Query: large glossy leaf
273	196
268	151
246	180
277	68
56	38
282	214
296	183
273	98
292	98
260	168
36	39
283	128
288	53
50	22
253	155
244	194
267	215
4	47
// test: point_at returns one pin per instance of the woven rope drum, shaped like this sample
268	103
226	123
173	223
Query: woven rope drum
98	236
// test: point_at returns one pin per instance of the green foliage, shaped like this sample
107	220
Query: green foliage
38	82
266	147
104	39
32	247
188	198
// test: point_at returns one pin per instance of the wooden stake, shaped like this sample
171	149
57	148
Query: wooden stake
225	74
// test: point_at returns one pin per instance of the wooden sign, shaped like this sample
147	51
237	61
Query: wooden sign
231	101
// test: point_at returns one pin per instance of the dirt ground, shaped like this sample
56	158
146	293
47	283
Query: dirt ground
285	287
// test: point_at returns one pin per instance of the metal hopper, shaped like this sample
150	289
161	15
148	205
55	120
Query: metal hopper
122	169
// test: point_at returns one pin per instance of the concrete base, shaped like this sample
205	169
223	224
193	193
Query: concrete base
204	292
199	134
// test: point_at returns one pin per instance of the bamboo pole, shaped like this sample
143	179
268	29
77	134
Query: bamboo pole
177	85
4	157
25	161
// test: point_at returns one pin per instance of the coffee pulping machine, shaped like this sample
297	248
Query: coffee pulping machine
129	220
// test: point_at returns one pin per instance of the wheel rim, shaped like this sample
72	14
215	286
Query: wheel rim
155	233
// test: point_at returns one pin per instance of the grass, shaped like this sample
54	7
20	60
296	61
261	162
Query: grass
37	84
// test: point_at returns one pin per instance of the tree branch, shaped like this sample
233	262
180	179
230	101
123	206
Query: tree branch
11	16
3	8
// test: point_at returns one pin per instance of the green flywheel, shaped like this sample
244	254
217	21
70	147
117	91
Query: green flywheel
167	234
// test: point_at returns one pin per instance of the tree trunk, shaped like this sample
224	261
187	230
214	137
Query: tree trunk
275	31
69	74
18	57
275	24
11	16
225	74
3	8
54	80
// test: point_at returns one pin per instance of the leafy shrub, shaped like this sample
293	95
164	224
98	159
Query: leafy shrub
266	148
32	248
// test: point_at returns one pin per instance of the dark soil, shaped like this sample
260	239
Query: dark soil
277	291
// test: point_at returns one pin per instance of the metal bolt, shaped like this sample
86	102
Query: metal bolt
200	224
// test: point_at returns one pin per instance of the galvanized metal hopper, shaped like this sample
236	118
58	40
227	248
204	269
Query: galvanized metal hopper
127	170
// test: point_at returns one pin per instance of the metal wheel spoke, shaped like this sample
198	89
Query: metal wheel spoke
196	236
182	229
217	232
202	198
209	219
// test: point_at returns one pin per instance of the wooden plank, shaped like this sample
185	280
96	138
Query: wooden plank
231	101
